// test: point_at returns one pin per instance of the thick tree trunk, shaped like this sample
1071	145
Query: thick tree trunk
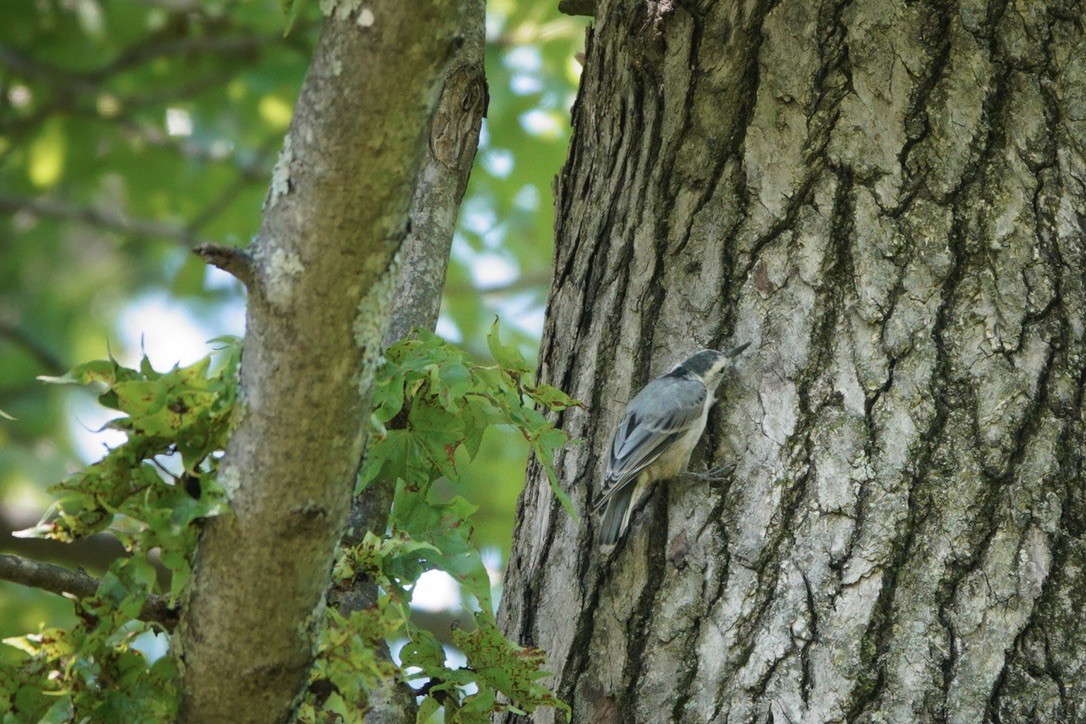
887	200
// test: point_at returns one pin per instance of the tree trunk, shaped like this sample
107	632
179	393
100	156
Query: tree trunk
320	276
887	200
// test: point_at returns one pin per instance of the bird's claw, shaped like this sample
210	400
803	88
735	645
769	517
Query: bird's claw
713	475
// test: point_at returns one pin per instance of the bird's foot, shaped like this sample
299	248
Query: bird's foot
714	475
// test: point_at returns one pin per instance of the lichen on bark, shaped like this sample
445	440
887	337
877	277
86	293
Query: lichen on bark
332	227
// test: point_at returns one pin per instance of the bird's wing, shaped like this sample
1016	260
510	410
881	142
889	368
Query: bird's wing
656	418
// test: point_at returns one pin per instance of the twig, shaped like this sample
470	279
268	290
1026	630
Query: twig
522	283
230	259
176	6
577	7
65	582
247	176
94	553
155	48
148	49
256	168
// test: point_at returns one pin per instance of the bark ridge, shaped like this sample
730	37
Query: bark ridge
887	200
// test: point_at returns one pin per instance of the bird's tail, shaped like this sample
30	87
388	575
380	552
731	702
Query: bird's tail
617	515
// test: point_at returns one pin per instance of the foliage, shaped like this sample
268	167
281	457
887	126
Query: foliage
432	406
129	131
93	670
350	661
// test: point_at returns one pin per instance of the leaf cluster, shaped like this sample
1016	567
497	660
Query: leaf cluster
93	669
432	407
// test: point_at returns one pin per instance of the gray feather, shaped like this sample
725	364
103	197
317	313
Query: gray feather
617	504
658	416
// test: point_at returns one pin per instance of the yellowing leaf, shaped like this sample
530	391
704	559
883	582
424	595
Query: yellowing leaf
275	111
46	155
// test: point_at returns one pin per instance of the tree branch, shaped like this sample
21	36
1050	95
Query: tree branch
109	220
148	49
454	139
18	336
536	280
95	552
255	168
65	582
247	174
153	49
230	259
577	7
450	153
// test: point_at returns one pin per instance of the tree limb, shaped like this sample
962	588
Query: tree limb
18	336
577	7
151	48
95	552
324	267
454	138
537	280
450	153
109	220
66	582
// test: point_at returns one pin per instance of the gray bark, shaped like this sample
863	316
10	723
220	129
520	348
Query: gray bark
887	199
77	584
323	271
416	300
450	153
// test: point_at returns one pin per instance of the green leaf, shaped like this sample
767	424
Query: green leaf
507	356
503	666
551	397
95	371
291	9
424	651
427	710
141	398
59	712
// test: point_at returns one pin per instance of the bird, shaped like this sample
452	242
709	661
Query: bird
662	424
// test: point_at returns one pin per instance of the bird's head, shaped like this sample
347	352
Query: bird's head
707	366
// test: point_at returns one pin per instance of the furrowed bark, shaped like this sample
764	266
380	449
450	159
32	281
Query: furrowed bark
887	199
324	268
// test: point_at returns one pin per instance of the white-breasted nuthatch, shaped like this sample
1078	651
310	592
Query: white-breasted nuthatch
663	423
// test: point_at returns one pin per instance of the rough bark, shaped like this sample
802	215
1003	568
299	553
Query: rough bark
450	153
323	270
887	199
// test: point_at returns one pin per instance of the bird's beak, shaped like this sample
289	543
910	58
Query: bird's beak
737	351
